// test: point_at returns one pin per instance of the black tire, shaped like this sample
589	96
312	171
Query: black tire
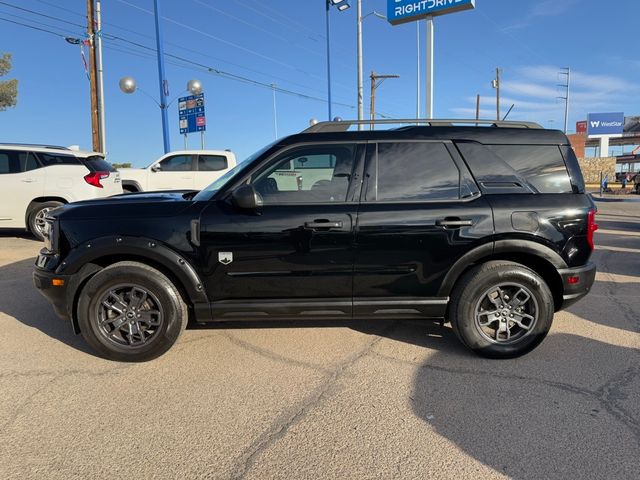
473	291
35	217
110	340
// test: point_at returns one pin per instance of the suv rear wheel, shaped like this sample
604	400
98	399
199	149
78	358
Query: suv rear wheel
37	214
501	309
131	312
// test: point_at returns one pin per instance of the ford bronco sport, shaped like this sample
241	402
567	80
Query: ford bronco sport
487	226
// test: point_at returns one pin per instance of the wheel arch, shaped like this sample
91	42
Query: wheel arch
89	258
43	199
539	258
132	183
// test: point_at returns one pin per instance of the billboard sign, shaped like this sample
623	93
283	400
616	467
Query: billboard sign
403	11
191	114
605	124
581	127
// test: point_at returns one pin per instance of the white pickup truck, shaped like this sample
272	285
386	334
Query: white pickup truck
179	170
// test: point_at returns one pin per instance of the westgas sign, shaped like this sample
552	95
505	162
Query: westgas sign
403	11
609	124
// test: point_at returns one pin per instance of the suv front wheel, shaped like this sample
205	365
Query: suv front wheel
36	216
131	312
501	309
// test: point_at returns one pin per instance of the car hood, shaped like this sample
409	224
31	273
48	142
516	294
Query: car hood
145	204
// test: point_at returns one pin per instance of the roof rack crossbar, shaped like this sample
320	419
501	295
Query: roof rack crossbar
344	125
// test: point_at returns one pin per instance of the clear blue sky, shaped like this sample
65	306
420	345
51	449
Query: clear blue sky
282	42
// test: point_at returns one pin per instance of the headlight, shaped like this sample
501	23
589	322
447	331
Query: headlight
50	234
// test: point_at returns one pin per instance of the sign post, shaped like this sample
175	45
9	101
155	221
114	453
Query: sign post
403	11
192	116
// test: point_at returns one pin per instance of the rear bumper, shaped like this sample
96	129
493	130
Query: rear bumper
575	290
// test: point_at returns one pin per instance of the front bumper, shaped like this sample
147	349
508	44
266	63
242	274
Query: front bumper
575	290
57	295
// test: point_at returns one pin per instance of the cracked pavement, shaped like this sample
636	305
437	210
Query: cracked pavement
363	400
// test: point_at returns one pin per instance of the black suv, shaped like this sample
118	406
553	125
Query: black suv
488	227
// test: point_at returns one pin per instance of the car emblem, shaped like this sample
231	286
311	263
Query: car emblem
225	258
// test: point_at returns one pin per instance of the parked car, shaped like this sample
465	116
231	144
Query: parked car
180	170
35	179
489	228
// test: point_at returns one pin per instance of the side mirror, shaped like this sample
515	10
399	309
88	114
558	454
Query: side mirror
156	168
247	198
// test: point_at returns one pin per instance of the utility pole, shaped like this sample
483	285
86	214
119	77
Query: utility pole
93	84
98	38
478	107
275	111
566	71
328	6
496	84
376	81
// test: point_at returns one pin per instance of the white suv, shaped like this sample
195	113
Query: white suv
180	170
37	178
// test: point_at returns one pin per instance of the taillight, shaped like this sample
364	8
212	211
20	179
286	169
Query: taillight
95	177
592	226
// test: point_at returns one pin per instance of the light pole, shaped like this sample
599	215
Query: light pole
164	84
342	5
360	18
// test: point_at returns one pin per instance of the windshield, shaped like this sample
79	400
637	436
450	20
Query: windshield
207	192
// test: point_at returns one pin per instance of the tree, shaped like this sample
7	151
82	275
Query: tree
8	88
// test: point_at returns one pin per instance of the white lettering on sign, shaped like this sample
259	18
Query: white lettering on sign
422	5
598	123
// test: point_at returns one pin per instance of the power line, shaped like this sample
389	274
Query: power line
51	17
61	35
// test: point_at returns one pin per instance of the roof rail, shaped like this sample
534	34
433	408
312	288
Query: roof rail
36	145
344	125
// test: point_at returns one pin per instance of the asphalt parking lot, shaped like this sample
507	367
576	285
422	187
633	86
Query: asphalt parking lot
384	400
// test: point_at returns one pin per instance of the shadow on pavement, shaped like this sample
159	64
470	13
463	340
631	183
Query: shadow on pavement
21	300
17	233
550	414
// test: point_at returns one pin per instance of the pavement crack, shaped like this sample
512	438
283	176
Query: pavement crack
611	393
294	415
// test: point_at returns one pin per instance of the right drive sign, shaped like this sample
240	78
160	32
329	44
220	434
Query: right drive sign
605	124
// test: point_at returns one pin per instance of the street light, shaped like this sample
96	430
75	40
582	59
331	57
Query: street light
129	86
341	5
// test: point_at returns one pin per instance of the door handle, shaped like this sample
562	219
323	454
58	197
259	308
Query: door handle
454	223
28	180
321	223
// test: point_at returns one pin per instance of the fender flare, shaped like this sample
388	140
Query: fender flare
141	247
510	246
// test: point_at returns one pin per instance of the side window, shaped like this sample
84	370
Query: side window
177	163
541	165
48	159
212	163
27	161
9	162
415	171
314	174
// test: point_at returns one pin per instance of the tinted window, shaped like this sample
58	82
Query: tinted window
48	159
415	171
178	163
212	163
5	163
98	164
541	165
27	161
315	174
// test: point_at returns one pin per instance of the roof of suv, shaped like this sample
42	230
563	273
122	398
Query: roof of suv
49	149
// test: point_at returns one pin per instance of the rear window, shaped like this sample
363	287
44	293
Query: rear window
541	165
50	159
212	163
98	164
